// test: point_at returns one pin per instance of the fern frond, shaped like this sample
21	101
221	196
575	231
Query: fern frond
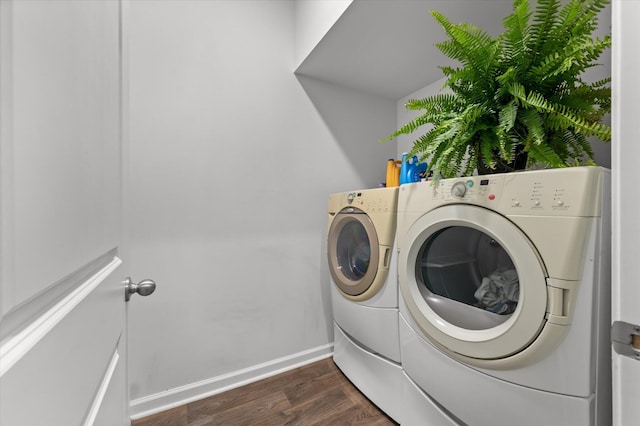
534	123
544	154
486	149
515	39
468	44
410	127
543	21
507	116
436	103
577	145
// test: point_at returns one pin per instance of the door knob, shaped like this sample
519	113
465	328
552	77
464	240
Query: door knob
143	288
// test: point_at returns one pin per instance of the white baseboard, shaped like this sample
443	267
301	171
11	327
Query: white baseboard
172	398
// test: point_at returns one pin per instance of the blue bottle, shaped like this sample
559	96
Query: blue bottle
411	170
418	172
404	168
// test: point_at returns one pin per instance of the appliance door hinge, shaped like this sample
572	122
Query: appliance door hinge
625	339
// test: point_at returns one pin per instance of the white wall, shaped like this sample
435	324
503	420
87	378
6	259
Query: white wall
232	159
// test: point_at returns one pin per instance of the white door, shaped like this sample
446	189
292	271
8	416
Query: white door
63	334
626	209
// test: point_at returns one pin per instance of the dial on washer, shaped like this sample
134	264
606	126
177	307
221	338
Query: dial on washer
459	189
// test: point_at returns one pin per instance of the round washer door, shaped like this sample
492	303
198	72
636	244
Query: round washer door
353	251
473	282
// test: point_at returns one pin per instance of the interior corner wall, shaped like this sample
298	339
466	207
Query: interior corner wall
231	162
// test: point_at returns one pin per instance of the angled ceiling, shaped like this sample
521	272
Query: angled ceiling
386	47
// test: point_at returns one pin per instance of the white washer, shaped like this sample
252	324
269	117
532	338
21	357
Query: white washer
364	293
505	298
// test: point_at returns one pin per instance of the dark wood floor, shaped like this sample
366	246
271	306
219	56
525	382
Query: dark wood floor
316	394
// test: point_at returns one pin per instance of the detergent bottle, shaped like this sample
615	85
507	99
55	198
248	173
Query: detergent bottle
418	172
393	173
404	168
411	170
390	172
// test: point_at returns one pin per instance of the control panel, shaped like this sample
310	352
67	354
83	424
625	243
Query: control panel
559	192
371	201
480	190
376	200
571	191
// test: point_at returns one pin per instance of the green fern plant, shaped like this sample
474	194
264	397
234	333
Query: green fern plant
518	98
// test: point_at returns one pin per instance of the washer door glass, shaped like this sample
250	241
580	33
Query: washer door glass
473	282
468	266
353	251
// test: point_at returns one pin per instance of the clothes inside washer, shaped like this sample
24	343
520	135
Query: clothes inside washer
499	292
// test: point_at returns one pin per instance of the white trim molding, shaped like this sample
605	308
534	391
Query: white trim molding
15	347
102	390
172	398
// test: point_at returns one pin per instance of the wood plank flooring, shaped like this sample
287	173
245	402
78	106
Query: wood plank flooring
315	394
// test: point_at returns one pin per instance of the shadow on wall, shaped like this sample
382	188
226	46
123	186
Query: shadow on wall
325	281
357	121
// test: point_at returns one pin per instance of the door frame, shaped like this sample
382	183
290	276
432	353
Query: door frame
625	205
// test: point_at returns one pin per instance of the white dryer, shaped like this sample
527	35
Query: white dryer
364	293
505	298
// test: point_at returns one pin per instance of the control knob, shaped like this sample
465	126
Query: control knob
350	198
459	189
